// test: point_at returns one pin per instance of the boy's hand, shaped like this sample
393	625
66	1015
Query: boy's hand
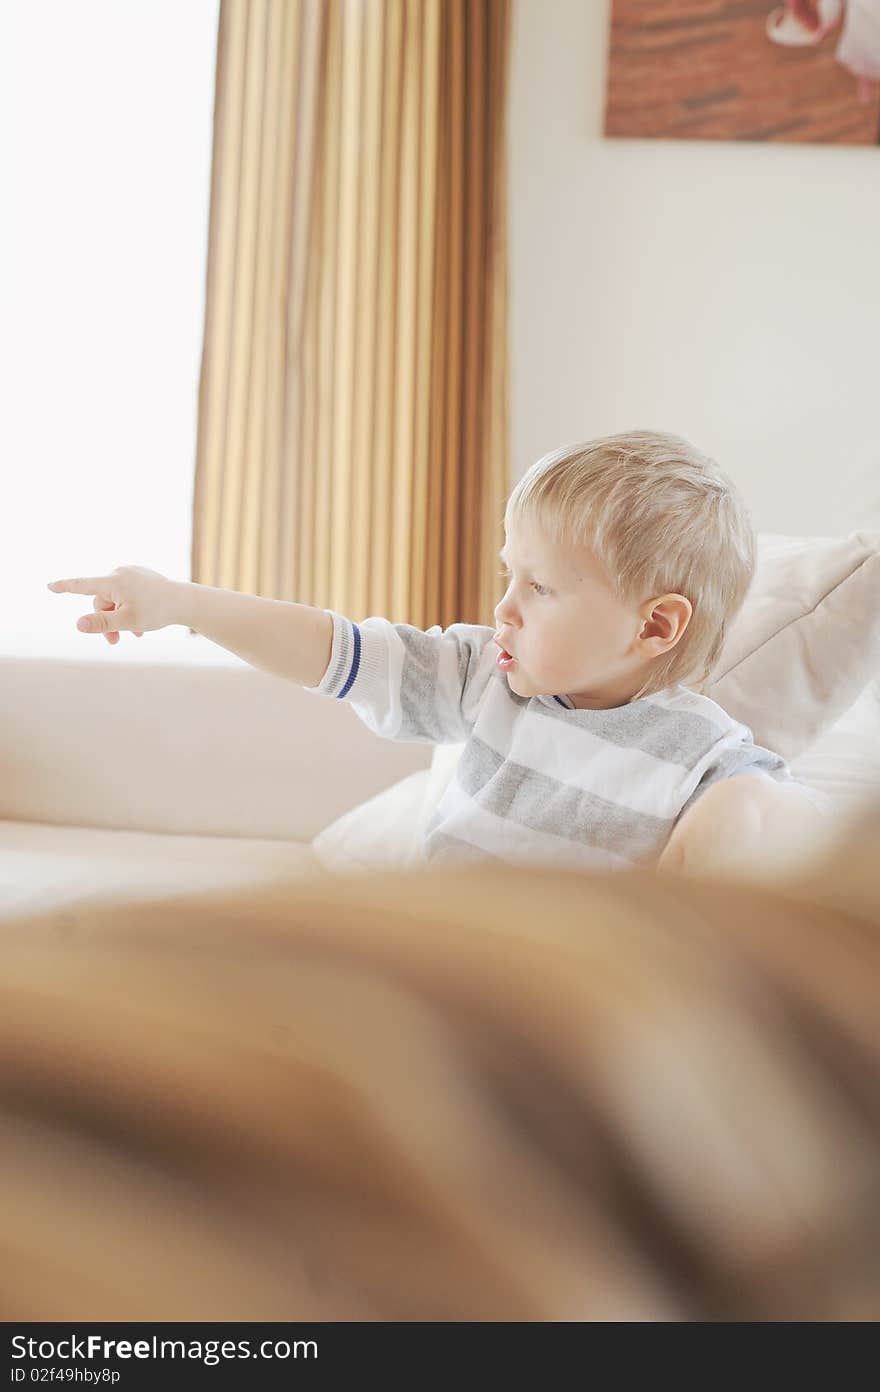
132	599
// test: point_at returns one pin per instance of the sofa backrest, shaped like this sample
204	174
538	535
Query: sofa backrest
210	748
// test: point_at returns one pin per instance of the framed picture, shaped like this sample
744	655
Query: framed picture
803	70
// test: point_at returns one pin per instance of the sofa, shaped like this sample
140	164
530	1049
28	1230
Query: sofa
166	764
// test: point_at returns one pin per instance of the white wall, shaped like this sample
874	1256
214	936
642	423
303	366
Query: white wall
726	291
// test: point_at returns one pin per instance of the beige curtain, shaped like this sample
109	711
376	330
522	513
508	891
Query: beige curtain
352	443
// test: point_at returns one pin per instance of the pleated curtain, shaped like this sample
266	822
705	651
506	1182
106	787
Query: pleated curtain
352	426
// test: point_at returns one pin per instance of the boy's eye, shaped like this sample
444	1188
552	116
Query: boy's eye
537	588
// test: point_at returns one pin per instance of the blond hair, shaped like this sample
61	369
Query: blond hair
660	517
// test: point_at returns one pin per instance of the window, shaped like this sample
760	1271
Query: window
106	123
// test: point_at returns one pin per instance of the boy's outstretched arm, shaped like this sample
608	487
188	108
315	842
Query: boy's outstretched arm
289	640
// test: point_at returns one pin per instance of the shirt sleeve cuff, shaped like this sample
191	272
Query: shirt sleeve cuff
356	662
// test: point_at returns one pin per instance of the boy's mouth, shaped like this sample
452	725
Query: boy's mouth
504	661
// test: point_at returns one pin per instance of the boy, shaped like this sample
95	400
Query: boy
626	559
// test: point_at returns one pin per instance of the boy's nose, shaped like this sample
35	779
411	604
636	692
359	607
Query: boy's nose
506	613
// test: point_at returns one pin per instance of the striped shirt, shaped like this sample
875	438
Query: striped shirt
538	779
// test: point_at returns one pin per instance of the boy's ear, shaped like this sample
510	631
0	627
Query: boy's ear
667	620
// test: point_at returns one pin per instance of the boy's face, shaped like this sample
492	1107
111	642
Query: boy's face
560	622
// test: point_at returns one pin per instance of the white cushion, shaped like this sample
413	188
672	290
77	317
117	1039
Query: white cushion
807	640
844	763
385	831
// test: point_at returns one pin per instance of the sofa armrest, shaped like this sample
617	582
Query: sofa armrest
183	746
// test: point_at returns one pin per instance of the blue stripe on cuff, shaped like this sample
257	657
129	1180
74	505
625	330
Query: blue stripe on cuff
355	662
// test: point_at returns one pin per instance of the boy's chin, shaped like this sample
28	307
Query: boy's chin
520	684
510	678
523	685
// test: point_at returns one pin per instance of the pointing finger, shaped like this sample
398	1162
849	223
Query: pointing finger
91	586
